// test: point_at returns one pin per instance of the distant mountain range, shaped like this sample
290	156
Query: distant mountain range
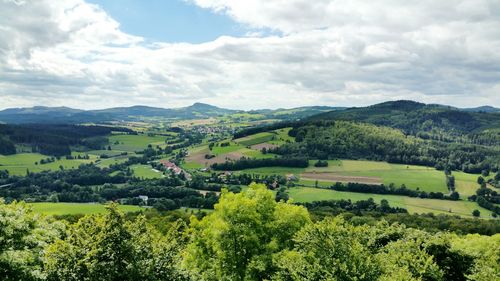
388	110
41	114
482	109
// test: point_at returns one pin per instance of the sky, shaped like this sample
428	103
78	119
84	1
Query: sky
248	54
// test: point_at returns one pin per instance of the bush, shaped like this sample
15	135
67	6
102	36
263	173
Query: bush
321	163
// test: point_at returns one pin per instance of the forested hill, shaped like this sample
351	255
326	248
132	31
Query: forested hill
64	115
351	140
53	139
423	120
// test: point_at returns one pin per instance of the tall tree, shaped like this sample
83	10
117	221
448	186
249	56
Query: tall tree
23	237
237	241
107	247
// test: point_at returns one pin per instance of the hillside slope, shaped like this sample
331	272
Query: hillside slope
423	120
64	115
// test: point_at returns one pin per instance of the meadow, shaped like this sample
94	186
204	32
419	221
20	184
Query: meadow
413	205
424	178
256	139
131	143
76	208
146	172
19	164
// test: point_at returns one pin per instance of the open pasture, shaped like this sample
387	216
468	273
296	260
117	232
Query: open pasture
18	164
76	208
412	176
234	151
146	172
131	143
282	137
413	205
256	139
220	150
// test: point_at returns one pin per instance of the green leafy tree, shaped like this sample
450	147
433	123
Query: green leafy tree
23	237
408	258
107	247
476	213
484	249
329	250
237	241
480	180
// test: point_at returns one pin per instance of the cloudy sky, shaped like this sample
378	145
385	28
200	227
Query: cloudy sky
248	54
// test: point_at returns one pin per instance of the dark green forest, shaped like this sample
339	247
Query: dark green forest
54	140
351	140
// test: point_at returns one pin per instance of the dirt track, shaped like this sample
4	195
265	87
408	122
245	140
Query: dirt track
338	178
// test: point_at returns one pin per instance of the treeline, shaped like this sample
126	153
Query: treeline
392	189
249	236
54	139
265	128
215	181
428	222
343	139
6	147
347	205
483	202
89	183
247	163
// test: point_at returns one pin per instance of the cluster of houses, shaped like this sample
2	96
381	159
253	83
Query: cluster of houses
171	166
213	130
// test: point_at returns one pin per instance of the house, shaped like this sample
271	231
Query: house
171	166
144	198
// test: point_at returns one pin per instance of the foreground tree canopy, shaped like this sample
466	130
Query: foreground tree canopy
249	236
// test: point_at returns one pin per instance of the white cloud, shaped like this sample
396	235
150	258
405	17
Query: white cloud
347	52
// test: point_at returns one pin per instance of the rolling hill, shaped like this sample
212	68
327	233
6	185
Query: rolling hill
134	113
66	115
425	120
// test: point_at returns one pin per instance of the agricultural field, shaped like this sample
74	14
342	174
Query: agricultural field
282	137
103	163
249	146
131	143
424	178
466	184
18	164
413	205
146	172
76	208
256	139
233	151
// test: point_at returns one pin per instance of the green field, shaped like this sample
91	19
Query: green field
102	163
273	170
220	150
192	165
413	205
252	153
256	139
425	178
18	164
76	208
131	143
466	184
145	171
282	137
